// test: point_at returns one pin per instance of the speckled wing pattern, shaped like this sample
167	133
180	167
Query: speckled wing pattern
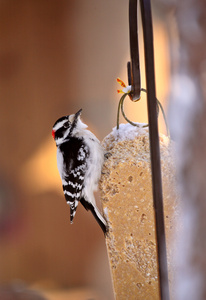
75	154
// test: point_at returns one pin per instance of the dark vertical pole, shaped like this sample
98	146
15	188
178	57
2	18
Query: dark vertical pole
154	148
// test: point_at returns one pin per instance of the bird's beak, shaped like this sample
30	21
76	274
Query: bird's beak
78	113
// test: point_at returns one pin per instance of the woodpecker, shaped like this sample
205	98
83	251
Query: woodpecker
79	160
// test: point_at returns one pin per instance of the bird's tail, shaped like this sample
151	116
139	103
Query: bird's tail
99	218
73	209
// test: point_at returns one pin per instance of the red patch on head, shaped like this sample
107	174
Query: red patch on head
53	134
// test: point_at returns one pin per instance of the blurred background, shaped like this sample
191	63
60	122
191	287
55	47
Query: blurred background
55	58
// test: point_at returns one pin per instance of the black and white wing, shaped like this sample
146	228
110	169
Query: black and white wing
75	155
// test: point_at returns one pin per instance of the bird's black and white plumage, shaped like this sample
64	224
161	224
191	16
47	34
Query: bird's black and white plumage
79	159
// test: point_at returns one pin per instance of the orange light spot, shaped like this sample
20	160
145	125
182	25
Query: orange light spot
121	82
119	91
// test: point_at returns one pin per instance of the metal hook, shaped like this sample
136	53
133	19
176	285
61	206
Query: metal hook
133	67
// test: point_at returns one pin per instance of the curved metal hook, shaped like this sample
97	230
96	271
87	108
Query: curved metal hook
133	67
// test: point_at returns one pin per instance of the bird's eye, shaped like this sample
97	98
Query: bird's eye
66	125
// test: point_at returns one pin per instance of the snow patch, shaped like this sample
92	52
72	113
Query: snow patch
128	131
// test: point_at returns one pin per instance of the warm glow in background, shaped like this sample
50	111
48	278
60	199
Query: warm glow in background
55	58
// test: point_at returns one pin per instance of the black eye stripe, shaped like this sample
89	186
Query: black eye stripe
67	124
59	133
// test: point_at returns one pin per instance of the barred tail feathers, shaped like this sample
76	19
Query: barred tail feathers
73	207
72	213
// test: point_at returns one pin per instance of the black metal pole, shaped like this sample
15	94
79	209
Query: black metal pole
155	148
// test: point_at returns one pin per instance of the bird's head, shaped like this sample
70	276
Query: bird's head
65	126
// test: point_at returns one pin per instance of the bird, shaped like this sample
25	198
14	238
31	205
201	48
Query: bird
80	158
